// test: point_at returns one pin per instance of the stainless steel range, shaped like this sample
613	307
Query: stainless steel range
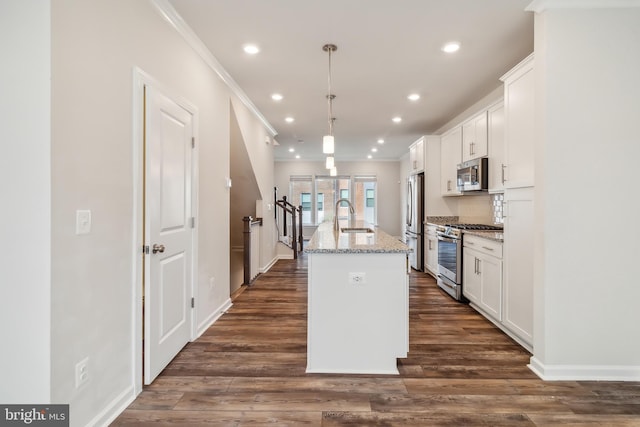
450	255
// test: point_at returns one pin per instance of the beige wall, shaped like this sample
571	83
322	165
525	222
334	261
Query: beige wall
95	48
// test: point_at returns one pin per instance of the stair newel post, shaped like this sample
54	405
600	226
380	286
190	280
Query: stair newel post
284	216
247	249
275	205
294	238
300	239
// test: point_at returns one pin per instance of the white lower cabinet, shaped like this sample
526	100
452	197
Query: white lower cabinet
431	250
482	274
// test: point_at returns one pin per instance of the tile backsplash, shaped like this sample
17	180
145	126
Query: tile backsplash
498	205
476	209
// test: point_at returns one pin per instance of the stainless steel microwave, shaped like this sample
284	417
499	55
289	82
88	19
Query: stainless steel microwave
473	175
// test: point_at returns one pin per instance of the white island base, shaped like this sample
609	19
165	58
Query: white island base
358	312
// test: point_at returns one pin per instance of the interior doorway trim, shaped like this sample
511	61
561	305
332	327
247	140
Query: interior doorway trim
140	80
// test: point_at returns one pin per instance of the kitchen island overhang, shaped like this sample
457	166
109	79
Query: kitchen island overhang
358	301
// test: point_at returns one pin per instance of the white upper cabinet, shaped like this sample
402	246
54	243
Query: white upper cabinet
450	157
416	156
519	125
496	148
474	137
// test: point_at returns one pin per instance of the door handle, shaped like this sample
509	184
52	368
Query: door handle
157	248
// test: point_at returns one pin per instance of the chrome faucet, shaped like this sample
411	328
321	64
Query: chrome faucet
335	216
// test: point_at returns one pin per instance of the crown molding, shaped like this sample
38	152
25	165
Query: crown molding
539	6
166	10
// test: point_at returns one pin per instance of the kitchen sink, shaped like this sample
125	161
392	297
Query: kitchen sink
357	230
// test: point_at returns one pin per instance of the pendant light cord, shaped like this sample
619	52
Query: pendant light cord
330	99
330	48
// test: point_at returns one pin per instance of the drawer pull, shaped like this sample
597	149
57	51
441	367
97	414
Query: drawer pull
489	249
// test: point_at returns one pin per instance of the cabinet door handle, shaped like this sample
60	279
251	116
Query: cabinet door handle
449	185
503	166
477	266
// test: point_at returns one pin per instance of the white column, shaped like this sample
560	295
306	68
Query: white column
25	225
587	322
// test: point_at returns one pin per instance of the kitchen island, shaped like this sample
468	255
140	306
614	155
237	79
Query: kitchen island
358	300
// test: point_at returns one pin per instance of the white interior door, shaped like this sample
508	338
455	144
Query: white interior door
168	231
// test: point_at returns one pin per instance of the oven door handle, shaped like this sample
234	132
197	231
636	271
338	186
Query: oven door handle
448	239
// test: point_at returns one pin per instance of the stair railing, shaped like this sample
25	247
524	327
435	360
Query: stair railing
294	215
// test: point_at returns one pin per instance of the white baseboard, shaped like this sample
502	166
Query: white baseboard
202	327
113	409
584	372
390	371
268	266
503	328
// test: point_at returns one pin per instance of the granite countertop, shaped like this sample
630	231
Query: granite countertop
491	235
441	220
327	241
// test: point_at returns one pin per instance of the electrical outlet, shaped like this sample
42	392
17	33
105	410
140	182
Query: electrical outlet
357	278
82	372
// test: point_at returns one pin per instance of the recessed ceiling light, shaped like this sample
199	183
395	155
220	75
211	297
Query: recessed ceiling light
297	156
251	49
451	47
369	156
291	150
381	141
413	97
374	150
277	97
397	119
289	119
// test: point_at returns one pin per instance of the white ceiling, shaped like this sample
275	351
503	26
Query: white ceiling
386	50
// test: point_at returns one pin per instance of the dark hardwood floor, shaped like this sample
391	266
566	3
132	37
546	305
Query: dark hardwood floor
248	369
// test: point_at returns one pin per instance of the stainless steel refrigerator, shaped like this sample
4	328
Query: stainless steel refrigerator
414	224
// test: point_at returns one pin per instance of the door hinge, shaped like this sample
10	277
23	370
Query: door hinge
193	302
192	220
193	142
145	249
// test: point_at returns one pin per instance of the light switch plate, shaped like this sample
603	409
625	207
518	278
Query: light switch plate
83	221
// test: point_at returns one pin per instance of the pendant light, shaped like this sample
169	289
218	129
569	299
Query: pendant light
330	162
328	145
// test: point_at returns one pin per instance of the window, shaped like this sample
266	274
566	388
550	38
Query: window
318	197
305	201
364	189
331	188
369	197
300	190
